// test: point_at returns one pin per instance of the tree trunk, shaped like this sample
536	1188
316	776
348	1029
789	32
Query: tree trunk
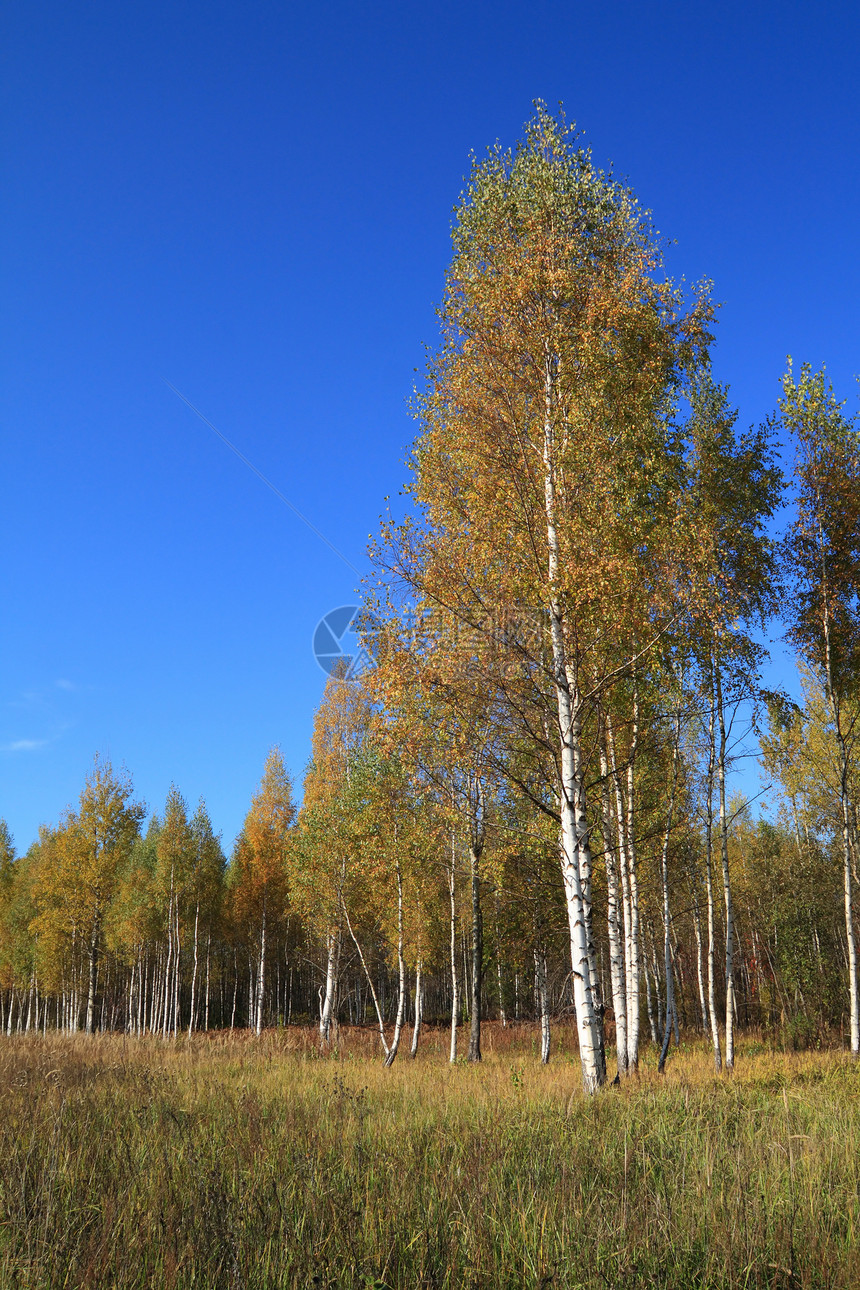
206	1010
261	982
455	984
847	883
502	1017
573	834
626	827
401	973
30	1003
853	984
727	889
93	964
664	876
169	961
374	996
700	977
419	1011
194	972
617	974
709	886
474	1053
543	1003
132	982
649	1003
176	975
327	1002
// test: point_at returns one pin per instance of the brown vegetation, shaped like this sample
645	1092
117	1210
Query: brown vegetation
230	1161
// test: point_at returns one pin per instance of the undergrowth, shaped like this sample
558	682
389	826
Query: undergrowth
232	1162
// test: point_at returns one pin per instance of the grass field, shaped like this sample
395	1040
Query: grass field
237	1162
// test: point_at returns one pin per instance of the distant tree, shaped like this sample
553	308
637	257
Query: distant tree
329	830
204	894
7	883
88	853
17	957
134	927
175	851
261	861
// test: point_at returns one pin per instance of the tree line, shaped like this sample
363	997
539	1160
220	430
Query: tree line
522	808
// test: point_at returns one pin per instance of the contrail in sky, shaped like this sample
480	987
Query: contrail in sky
304	519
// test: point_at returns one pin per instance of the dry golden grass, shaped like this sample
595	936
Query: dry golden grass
236	1162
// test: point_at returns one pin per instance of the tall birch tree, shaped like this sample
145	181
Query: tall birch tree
547	464
823	561
734	488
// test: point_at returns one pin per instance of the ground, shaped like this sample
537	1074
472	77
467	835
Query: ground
235	1162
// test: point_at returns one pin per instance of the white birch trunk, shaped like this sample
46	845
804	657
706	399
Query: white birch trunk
194	972
30	1003
617	974
176	973
709	884
574	846
261	982
132	981
727	889
585	866
169	962
667	921
206	1010
846	812
543	1004
700	976
419	1011
853	985
379	1018
93	962
455	984
502	1016
626	826
477	948
401	973
625	867
327	1008
649	1004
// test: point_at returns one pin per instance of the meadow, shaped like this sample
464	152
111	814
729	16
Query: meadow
229	1161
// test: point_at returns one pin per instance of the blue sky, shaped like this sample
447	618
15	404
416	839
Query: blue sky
253	203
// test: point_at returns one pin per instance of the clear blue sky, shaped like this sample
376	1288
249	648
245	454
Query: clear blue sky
253	202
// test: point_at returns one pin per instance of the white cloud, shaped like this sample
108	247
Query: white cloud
24	745
63	684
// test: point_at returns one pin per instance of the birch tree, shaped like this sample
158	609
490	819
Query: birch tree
326	845
560	350
89	850
136	928
734	488
261	888
204	898
7	892
823	561
174	850
433	708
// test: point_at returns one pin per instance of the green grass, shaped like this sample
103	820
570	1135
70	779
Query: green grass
242	1163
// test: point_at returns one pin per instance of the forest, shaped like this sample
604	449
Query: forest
521	810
